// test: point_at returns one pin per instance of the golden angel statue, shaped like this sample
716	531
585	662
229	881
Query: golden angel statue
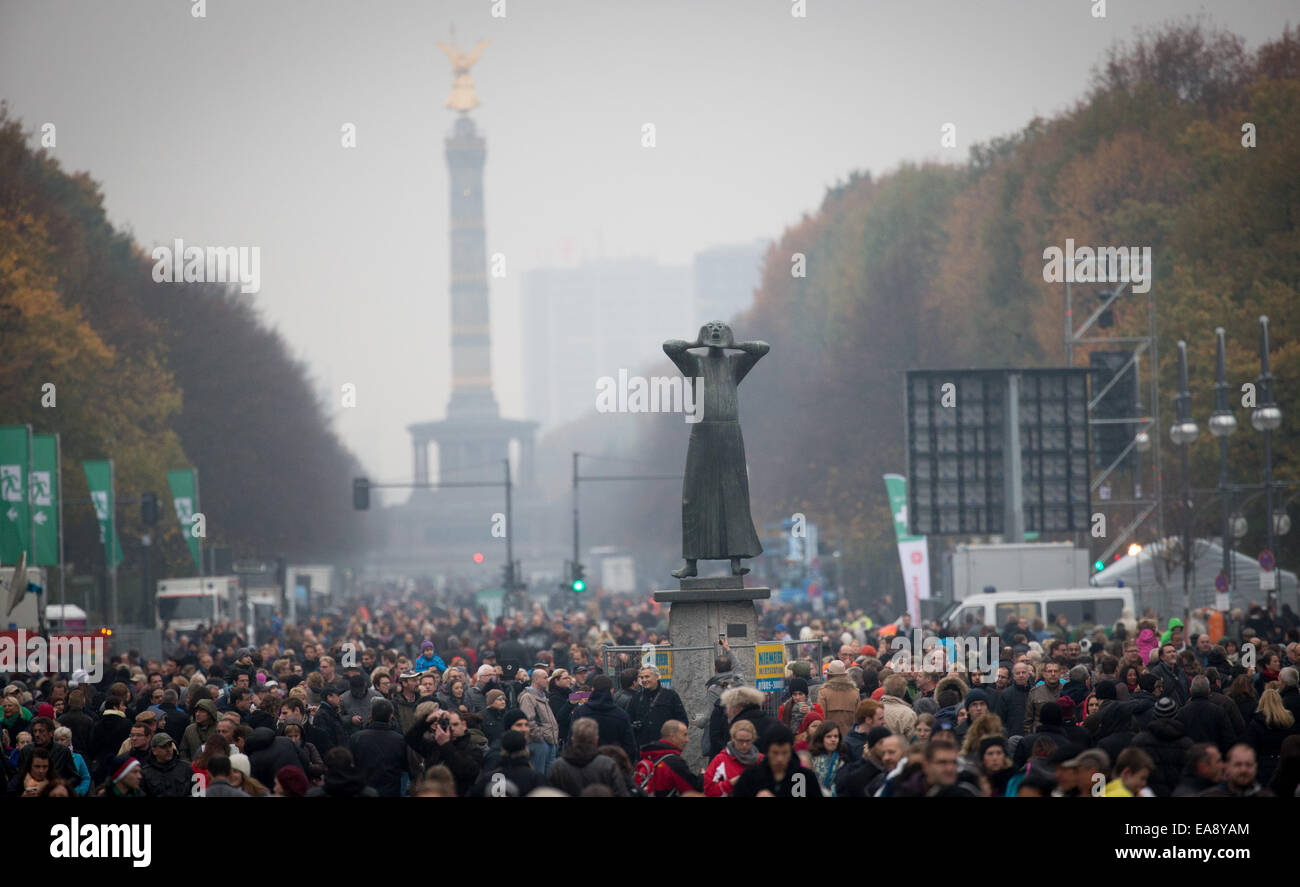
463	98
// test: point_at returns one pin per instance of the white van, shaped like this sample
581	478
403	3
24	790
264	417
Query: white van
1099	606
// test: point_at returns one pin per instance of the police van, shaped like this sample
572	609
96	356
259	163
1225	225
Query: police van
1101	607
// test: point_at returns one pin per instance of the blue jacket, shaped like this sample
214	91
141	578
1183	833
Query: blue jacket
423	663
83	772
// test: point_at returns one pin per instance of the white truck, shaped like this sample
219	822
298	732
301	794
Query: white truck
1028	566
185	604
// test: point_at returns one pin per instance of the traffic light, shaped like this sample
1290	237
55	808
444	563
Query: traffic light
579	583
508	576
149	509
361	493
1099	566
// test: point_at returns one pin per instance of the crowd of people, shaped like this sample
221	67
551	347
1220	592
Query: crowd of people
407	696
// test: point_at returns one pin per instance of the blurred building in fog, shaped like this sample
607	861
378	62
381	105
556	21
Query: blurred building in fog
725	280
587	322
604	315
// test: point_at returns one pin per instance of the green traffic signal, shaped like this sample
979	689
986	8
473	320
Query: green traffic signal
1100	566
579	585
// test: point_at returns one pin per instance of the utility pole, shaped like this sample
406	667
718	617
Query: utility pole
575	508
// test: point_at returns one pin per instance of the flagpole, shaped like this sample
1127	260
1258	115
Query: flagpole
198	509
58	475
110	548
31	539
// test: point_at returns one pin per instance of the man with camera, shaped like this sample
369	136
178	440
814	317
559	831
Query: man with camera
653	706
440	737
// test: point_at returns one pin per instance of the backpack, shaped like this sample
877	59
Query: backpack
644	775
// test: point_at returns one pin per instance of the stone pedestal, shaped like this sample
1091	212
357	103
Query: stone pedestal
700	611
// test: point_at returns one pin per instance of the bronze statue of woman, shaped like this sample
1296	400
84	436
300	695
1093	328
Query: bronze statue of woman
716	524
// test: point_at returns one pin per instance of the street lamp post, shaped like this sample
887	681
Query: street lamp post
1183	432
1222	424
1266	418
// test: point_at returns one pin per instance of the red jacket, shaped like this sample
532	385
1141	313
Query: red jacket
718	775
669	770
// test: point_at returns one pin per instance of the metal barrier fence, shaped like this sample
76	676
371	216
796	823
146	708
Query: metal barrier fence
768	676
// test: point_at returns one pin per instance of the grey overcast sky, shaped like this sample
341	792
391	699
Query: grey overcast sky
225	130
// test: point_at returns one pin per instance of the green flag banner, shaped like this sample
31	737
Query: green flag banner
46	490
15	465
185	499
913	554
99	477
896	487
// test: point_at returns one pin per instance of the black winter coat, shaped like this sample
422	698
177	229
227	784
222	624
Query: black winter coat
105	739
1267	742
563	710
651	710
380	755
1203	721
1165	742
327	728
1011	706
614	723
61	763
762	723
170	780
493	726
1142	705
175	720
267	753
80	724
461	756
519	778
578	767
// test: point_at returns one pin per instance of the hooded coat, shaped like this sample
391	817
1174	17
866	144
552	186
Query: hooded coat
342	784
267	753
195	736
580	766
614	723
380	754
519	774
1146	641
1203	721
899	716
760	719
1164	740
838	698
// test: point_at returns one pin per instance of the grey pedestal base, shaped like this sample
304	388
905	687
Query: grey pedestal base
699	612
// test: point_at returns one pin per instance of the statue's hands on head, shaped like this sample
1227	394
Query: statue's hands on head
716	334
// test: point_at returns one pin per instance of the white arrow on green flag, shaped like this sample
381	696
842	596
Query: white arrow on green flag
99	477
15	466
184	485
46	489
